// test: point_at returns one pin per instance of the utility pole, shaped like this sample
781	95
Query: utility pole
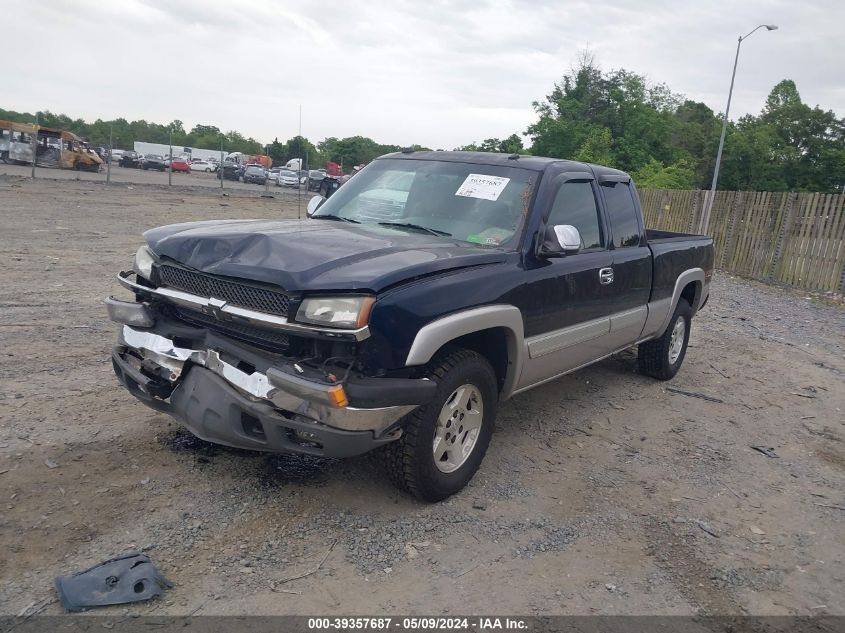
34	142
220	171
298	178
267	175
108	156
170	171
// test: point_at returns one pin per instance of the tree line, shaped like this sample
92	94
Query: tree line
351	151
616	118
666	141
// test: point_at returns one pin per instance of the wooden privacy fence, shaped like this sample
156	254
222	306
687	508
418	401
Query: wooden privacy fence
796	239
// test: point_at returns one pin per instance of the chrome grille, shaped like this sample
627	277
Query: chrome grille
238	294
275	341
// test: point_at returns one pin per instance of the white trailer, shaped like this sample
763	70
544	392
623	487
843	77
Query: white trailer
163	149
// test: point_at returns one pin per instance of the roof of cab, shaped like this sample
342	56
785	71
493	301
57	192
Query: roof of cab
535	163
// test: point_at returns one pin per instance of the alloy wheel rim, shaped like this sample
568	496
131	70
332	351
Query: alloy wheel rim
458	428
676	342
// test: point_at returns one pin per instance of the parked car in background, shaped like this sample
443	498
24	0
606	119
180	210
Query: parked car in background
180	164
287	178
315	179
230	171
202	165
115	155
256	174
129	158
273	173
154	161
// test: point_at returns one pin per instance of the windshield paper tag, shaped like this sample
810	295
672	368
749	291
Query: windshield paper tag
482	186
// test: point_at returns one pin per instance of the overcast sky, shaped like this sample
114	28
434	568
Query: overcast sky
440	74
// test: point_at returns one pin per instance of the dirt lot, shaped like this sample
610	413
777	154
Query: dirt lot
602	492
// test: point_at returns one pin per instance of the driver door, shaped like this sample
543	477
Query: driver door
568	301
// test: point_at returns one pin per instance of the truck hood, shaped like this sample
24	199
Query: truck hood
314	255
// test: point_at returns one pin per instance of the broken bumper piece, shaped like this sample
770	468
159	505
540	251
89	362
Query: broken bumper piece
128	578
273	411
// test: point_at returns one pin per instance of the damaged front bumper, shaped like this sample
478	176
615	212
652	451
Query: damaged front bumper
273	410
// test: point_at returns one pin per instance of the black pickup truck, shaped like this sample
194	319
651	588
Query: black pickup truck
427	290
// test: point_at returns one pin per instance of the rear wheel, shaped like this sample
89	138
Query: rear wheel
662	357
444	441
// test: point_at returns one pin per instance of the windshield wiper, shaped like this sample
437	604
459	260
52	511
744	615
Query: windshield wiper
329	216
416	227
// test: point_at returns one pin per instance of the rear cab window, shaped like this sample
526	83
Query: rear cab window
621	214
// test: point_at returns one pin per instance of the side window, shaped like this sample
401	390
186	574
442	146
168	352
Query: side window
621	214
575	204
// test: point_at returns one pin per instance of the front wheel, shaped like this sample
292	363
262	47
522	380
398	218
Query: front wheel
662	357
444	441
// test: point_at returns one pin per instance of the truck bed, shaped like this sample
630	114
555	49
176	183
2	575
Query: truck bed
655	236
673	253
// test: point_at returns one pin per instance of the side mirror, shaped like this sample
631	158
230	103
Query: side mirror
560	240
313	204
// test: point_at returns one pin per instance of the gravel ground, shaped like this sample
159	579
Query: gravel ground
602	492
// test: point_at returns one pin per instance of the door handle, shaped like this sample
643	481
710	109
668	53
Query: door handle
606	276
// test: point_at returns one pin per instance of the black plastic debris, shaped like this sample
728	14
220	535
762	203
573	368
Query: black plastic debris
128	578
768	451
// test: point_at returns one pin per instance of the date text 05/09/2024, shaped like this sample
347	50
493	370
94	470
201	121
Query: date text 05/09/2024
479	624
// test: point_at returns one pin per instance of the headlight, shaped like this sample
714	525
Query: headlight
144	260
344	312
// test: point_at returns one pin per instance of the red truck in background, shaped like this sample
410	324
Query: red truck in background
333	169
246	159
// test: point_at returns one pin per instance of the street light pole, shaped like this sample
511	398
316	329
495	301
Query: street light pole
708	201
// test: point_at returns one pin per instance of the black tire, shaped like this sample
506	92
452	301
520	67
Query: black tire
410	460
653	357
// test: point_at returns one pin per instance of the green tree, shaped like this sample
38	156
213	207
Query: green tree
597	147
509	145
654	175
353	150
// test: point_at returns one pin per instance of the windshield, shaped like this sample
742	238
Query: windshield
255	170
481	204
154	157
287	173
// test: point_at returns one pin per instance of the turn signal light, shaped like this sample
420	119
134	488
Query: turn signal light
337	396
